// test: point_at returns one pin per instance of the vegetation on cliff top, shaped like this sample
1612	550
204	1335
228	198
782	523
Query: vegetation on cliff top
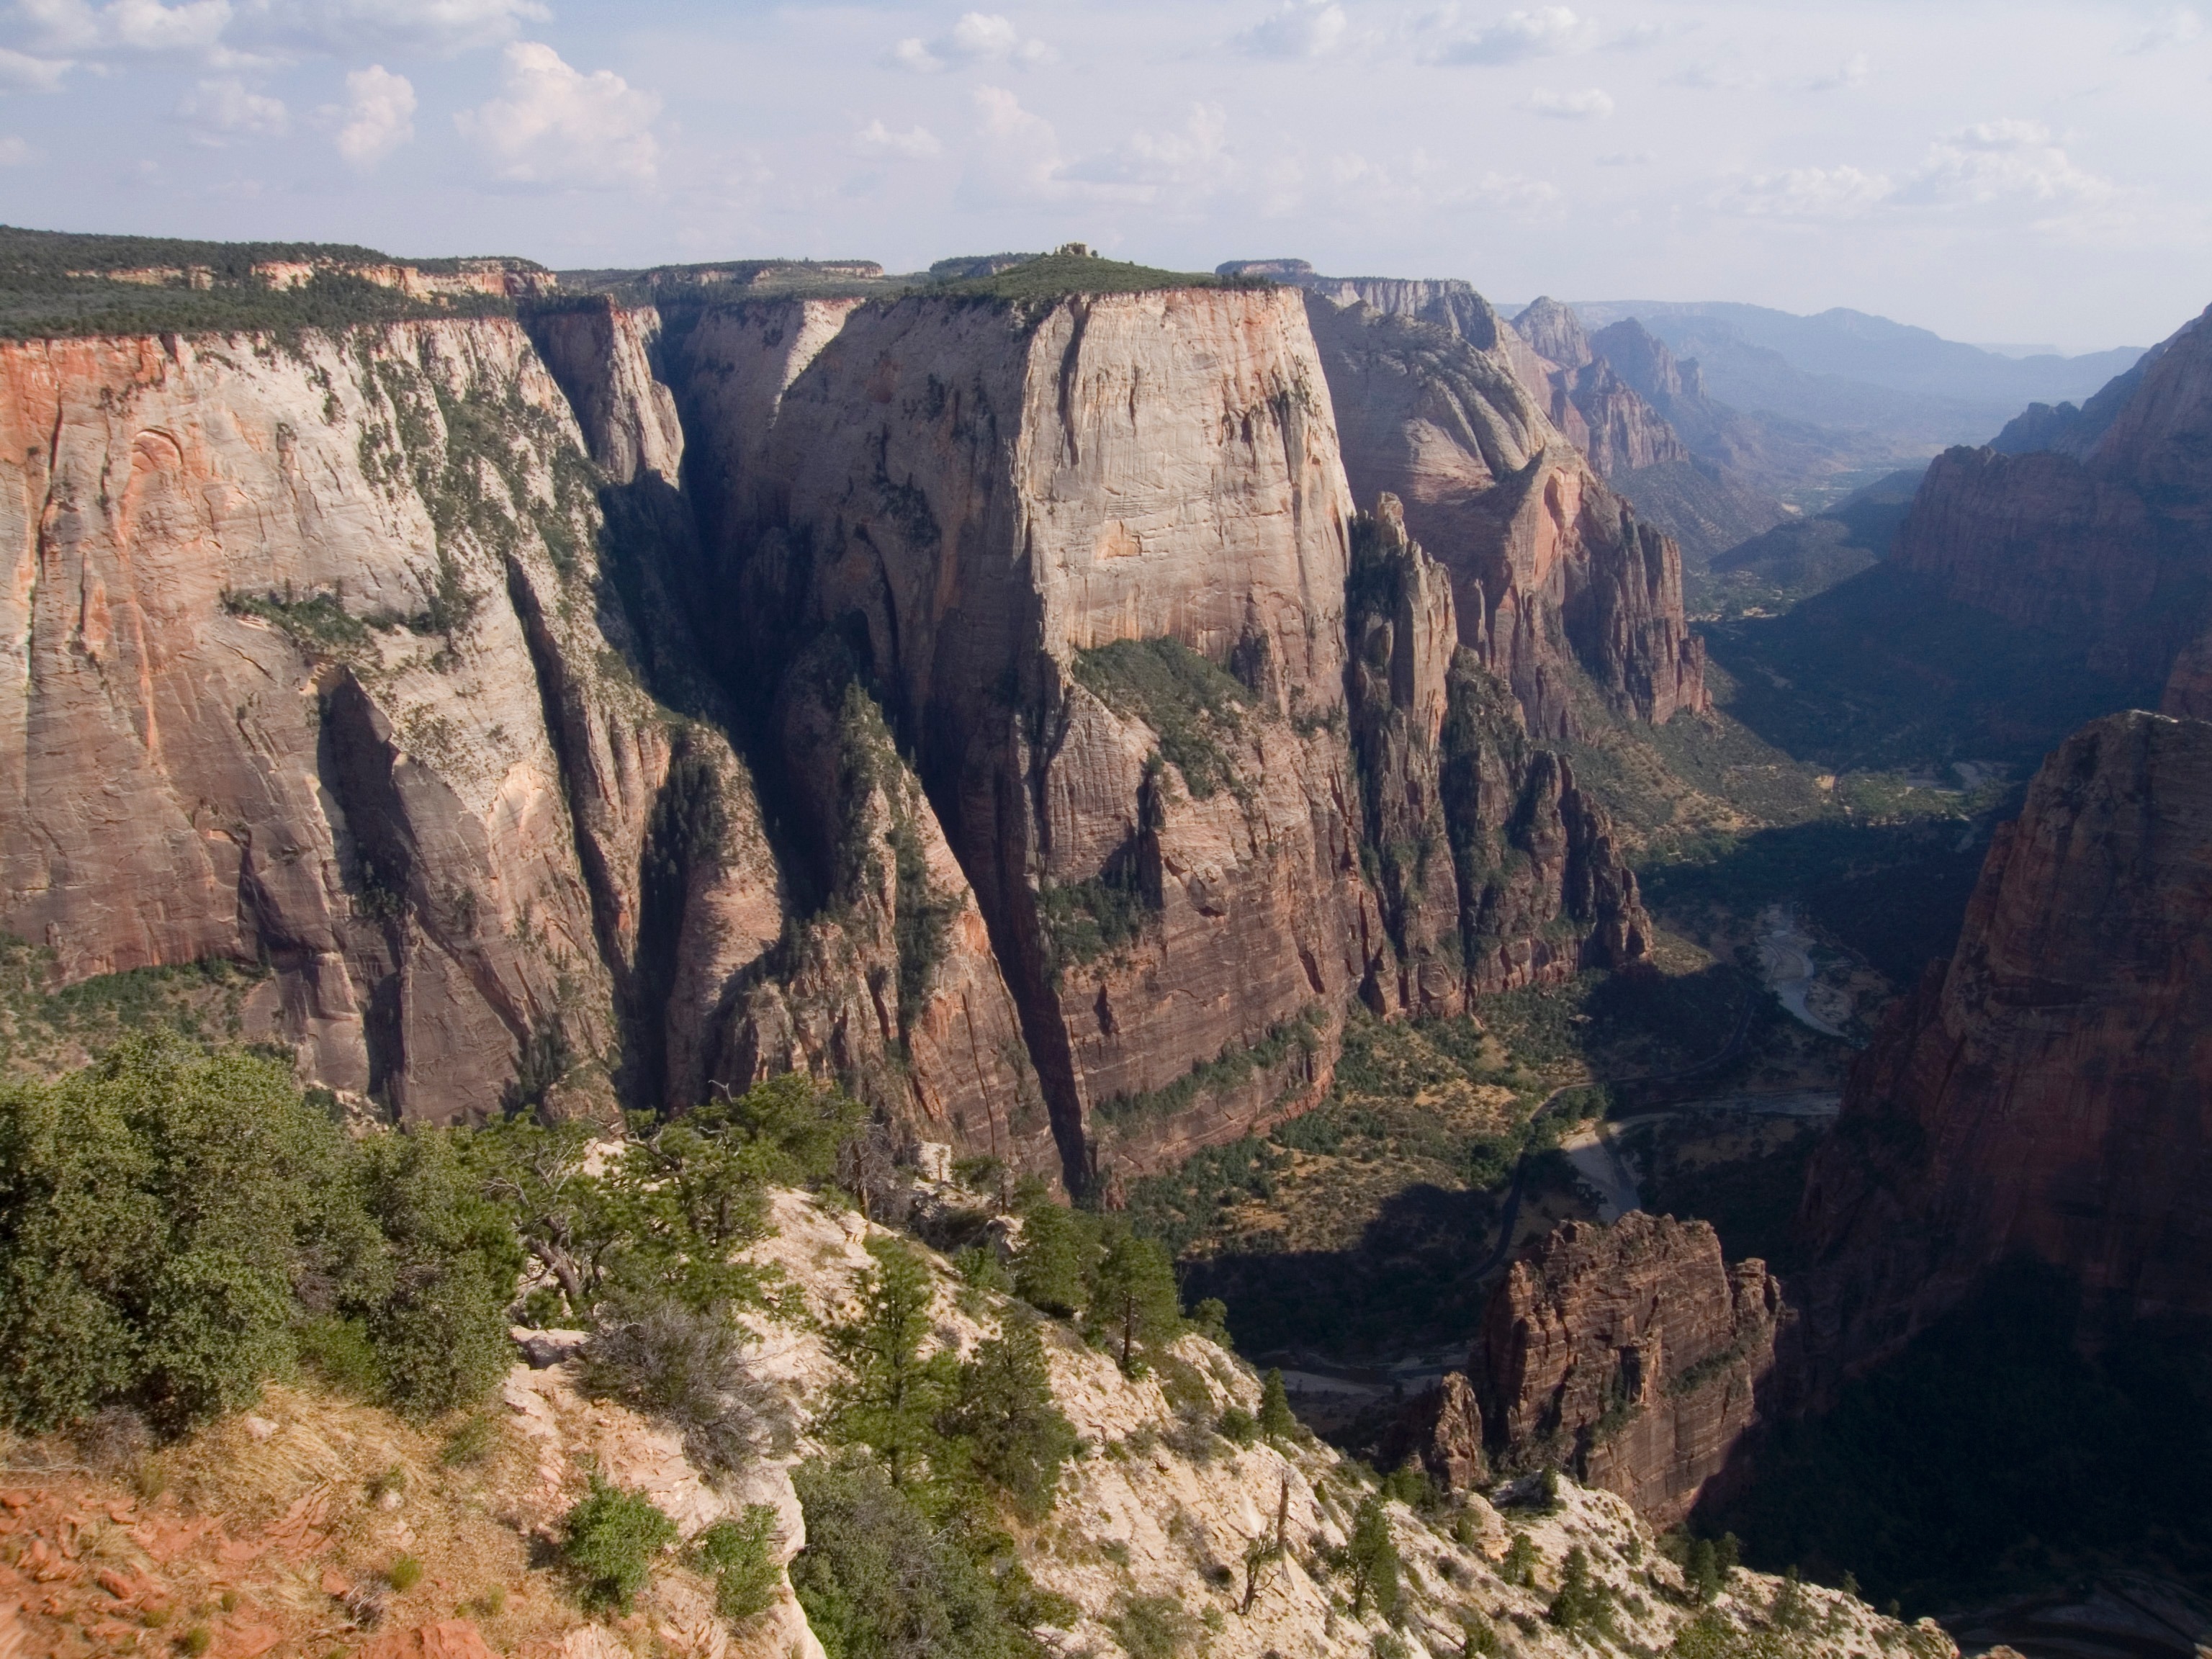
55	283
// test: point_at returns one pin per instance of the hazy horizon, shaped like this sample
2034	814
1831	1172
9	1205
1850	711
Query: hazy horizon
2027	172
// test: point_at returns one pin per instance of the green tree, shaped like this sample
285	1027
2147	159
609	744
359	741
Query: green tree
1134	1296
1052	1258
1519	1566
439	1320
1370	1557
895	1395
798	1124
1002	1408
1790	1610
1277	1420
1582	1602
155	1208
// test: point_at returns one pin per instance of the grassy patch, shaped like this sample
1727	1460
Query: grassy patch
1195	705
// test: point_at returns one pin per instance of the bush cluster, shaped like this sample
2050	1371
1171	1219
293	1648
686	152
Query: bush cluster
176	1226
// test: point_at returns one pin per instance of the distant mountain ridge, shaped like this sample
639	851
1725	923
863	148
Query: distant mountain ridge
1859	346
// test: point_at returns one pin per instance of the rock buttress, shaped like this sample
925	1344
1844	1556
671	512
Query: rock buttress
1630	1355
1091	559
2048	1091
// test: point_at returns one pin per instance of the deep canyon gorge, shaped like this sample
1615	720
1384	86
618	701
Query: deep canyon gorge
1235	759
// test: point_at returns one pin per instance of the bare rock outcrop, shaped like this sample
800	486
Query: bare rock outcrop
1441	1430
2105	537
1602	413
2048	1091
1630	1355
1553	577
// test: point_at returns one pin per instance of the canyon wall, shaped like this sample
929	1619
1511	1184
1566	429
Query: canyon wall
983	704
2105	538
2045	1091
309	672
1555	579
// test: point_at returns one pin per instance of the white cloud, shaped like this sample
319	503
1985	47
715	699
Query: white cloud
1178	167
16	153
1851	72
1805	193
1997	161
350	26
978	38
554	125
379	116
1589	104
916	145
1547	31
20	72
1299	29
222	112
2174	27
1714	78
126	26
1419	182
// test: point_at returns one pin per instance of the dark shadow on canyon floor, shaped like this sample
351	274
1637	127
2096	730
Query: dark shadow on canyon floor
2019	1442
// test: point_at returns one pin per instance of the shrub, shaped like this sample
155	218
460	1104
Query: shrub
682	1365
1410	1485
739	1556
1153	1627
1239	1426
609	1545
406	1573
879	1581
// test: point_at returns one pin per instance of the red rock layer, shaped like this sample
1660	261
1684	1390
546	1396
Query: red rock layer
1631	1355
2048	1093
2112	547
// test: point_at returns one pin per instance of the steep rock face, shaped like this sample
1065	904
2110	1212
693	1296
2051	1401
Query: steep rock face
1402	636
1046	539
1630	1354
1441	1430
2189	687
602	357
1552	574
1602	413
2049	1090
301	678
892	983
2108	539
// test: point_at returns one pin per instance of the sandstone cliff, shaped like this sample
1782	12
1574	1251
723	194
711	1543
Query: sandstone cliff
1602	414
307	672
1629	1354
409	660
1493	869
2105	539
1553	577
2046	1092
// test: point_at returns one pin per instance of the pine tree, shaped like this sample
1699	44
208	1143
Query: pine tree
1050	1263
1370	1556
1002	1406
895	1395
1277	1420
1133	1296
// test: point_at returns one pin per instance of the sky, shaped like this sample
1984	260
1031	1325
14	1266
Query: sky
2033	170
